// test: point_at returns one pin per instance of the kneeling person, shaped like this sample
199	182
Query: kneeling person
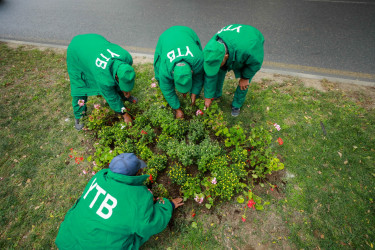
116	210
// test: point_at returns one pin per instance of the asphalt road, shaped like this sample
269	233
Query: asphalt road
326	37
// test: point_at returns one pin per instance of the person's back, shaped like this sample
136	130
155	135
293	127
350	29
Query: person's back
115	211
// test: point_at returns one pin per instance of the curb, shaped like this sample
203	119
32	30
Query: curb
263	69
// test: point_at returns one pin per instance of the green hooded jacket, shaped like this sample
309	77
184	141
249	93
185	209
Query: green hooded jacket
176	44
115	211
246	53
92	68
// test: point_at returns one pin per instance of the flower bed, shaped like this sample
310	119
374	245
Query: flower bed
206	159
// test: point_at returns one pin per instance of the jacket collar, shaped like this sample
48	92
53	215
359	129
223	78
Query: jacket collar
129	180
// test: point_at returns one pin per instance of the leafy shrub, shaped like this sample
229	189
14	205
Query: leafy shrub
159	162
225	157
178	174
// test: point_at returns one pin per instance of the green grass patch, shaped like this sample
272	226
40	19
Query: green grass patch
324	198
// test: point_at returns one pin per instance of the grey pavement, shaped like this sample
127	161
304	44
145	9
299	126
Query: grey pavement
327	38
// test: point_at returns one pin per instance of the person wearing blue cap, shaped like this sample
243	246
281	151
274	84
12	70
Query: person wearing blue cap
116	210
236	47
178	65
98	67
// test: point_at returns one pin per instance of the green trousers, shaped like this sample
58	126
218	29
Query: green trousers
218	81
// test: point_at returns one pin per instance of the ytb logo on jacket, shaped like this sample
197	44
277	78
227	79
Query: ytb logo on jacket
229	28
105	204
172	55
103	64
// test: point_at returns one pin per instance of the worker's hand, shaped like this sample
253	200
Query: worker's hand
179	114
207	102
243	83
127	118
193	97
126	94
177	202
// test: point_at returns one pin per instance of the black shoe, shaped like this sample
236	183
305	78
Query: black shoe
132	99
235	111
78	125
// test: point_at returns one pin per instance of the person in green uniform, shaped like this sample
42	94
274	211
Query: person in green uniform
178	65
116	210
98	67
236	47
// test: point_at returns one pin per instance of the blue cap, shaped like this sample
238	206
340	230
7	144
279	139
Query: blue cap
126	164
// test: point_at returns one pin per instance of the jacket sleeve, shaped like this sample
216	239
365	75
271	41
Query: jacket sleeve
158	220
169	93
112	97
198	79
210	83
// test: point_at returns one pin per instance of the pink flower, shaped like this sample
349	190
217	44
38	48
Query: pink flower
81	102
94	163
97	106
199	200
277	126
213	181
199	112
84	172
153	85
93	172
251	204
280	141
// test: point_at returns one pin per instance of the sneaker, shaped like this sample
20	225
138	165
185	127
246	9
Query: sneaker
78	125
235	111
132	99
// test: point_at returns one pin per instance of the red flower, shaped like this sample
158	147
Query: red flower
251	204
280	141
134	101
71	156
81	158
243	219
71	149
271	189
143	132
193	215
150	178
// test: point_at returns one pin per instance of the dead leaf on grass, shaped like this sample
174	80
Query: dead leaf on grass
339	154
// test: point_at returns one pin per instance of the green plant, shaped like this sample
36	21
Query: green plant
182	152
177	174
159	162
98	118
191	187
159	190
